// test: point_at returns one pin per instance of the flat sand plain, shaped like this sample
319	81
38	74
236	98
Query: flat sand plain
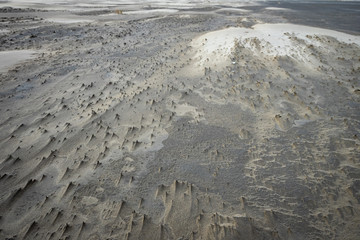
179	121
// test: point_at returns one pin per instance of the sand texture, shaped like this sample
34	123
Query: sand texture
179	122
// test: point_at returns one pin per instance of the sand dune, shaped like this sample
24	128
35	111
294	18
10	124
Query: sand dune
186	124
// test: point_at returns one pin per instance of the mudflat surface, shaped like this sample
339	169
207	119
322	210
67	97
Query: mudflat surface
182	121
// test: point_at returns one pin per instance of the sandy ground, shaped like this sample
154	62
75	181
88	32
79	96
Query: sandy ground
179	121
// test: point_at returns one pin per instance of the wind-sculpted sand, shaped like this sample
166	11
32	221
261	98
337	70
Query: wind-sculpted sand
191	123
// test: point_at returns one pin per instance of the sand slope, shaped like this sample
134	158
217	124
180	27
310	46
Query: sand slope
179	126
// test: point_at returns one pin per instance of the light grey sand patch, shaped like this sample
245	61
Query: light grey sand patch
2	31
153	11
69	20
11	58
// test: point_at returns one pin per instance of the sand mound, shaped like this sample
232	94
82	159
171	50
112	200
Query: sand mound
214	48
